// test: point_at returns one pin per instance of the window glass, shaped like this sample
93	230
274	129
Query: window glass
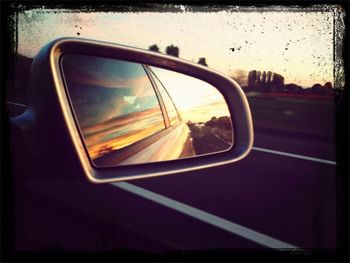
114	102
172	113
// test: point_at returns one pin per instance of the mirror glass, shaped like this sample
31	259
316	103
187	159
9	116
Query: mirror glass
130	113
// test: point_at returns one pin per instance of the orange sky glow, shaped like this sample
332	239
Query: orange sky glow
295	43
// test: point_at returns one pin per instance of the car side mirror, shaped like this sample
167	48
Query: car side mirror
130	113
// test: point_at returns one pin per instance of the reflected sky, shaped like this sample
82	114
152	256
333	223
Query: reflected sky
203	113
113	100
121	132
195	99
115	103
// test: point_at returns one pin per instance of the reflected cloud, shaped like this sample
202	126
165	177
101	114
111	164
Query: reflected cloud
114	102
121	132
203	113
196	100
116	106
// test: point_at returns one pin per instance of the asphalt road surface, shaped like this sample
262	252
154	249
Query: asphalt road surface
277	197
287	198
285	189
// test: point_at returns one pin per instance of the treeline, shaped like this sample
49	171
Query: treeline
270	82
222	122
174	51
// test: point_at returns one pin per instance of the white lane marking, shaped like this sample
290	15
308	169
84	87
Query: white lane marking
17	104
207	217
285	154
217	137
295	155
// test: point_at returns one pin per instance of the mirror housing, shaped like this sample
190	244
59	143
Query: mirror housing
50	128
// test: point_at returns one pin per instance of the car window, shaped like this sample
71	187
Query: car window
169	104
114	102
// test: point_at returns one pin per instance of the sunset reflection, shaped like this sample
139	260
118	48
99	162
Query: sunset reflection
113	100
116	106
122	131
202	107
196	100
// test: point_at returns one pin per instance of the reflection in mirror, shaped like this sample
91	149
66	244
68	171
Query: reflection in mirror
129	113
201	107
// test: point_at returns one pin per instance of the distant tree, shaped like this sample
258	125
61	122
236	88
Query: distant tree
278	79
307	91
172	50
224	122
221	122
292	88
277	83
211	122
328	88
202	62
252	75
328	85
269	76
316	88
258	75
263	77
154	48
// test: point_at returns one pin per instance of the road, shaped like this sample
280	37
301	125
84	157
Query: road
290	199
267	200
285	188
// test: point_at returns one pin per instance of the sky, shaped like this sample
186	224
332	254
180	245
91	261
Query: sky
197	101
294	43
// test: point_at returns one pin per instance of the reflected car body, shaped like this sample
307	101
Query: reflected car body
172	143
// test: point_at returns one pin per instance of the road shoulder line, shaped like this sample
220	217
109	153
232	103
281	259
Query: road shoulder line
298	156
211	219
